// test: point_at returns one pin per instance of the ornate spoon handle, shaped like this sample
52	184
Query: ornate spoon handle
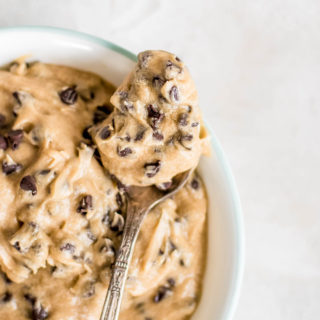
111	308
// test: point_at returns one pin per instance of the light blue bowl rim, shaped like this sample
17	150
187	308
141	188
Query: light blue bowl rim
233	297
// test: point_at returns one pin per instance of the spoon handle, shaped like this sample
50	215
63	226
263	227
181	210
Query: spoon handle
111	307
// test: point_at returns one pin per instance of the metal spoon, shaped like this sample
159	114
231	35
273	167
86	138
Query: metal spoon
140	201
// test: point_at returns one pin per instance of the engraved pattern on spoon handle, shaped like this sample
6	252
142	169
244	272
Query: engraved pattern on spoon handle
113	299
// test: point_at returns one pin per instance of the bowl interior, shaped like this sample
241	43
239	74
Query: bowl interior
225	232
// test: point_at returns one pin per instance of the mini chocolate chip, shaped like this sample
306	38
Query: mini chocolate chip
161	252
69	96
164	186
186	137
171	282
127	138
178	59
155	116
183	119
139	135
158	135
119	199
101	113
10	168
123	94
91	236
28	183
174	94
173	247
85	133
15	137
195	184
6	279
17	97
85	204
6	297
44	172
172	70
181	262
124	152
2	119
92	95
152	168
30	298
39	313
68	247
16	245
194	124
105	133
157	82
126	105
3	143
161	294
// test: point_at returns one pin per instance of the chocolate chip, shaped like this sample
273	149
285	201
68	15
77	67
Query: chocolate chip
178	59
155	116
28	183
68	247
10	168
2	119
195	184
6	279
194	124
158	135
174	94
101	113
186	137
164	186
16	95
85	133
44	172
173	247
3	143
69	96
181	262
85	205
123	94
6	297
161	252
124	152
15	137
157	82
39	313
140	135
183	119
152	168
30	298
161	294
105	133
16	245
119	199
171	282
171	70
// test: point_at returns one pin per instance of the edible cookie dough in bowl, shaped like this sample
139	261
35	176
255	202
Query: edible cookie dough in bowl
80	120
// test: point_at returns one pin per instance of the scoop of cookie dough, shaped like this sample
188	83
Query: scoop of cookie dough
154	132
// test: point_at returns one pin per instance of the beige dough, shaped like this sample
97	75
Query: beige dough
62	214
154	132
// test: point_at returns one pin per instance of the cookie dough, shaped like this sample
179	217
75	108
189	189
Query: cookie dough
62	214
155	131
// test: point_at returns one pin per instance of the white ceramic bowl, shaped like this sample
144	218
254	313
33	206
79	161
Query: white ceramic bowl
225	258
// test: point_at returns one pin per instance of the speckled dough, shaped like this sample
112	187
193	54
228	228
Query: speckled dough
155	131
62	213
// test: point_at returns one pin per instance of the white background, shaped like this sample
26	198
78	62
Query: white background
257	67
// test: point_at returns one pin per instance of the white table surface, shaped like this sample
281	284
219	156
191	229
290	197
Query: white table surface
257	68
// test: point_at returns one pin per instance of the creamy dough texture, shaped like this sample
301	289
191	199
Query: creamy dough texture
62	214
154	132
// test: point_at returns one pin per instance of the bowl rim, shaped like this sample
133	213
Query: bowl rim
237	217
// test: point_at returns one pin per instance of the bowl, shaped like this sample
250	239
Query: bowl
225	250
